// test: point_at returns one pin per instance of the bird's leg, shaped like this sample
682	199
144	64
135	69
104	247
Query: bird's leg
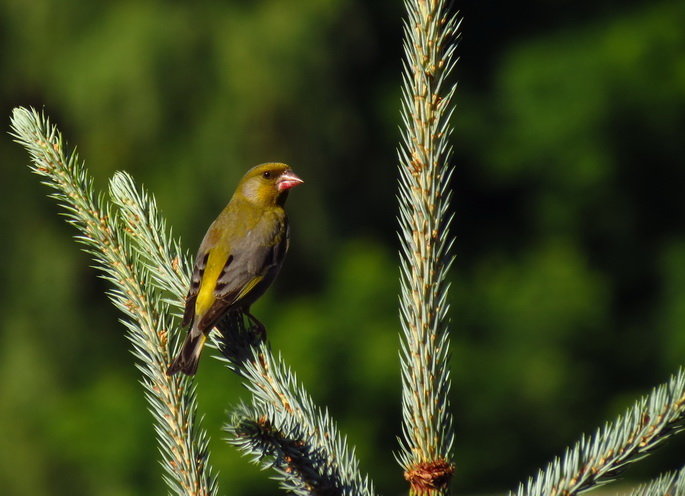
257	326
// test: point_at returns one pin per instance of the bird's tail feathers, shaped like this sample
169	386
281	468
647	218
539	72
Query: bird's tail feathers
189	356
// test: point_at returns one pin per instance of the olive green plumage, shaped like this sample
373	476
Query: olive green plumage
239	257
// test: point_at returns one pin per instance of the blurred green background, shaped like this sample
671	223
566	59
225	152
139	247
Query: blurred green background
568	295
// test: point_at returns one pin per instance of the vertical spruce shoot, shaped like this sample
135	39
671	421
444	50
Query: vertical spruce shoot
430	37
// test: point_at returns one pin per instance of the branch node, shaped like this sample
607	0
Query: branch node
428	476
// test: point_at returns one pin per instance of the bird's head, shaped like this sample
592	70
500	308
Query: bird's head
268	184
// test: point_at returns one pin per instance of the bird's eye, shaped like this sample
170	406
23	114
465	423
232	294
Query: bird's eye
266	175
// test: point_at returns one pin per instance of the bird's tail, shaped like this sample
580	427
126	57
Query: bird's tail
189	356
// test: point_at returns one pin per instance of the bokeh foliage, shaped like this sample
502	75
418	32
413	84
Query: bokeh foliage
569	284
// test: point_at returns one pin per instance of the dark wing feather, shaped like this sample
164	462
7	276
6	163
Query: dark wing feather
252	266
198	272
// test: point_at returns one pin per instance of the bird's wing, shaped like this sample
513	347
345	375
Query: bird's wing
196	278
253	258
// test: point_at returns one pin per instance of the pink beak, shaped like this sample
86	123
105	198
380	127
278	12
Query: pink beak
288	180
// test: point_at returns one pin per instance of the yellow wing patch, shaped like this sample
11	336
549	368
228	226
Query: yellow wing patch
205	296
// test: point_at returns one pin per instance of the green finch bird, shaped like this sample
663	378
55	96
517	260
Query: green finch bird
239	257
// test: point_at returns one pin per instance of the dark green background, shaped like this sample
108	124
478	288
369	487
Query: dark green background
568	293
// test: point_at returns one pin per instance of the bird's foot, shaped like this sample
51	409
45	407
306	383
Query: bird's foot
257	327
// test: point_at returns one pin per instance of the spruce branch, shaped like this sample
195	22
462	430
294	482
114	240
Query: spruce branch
671	484
598	459
273	385
300	467
278	396
159	252
182	444
430	37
